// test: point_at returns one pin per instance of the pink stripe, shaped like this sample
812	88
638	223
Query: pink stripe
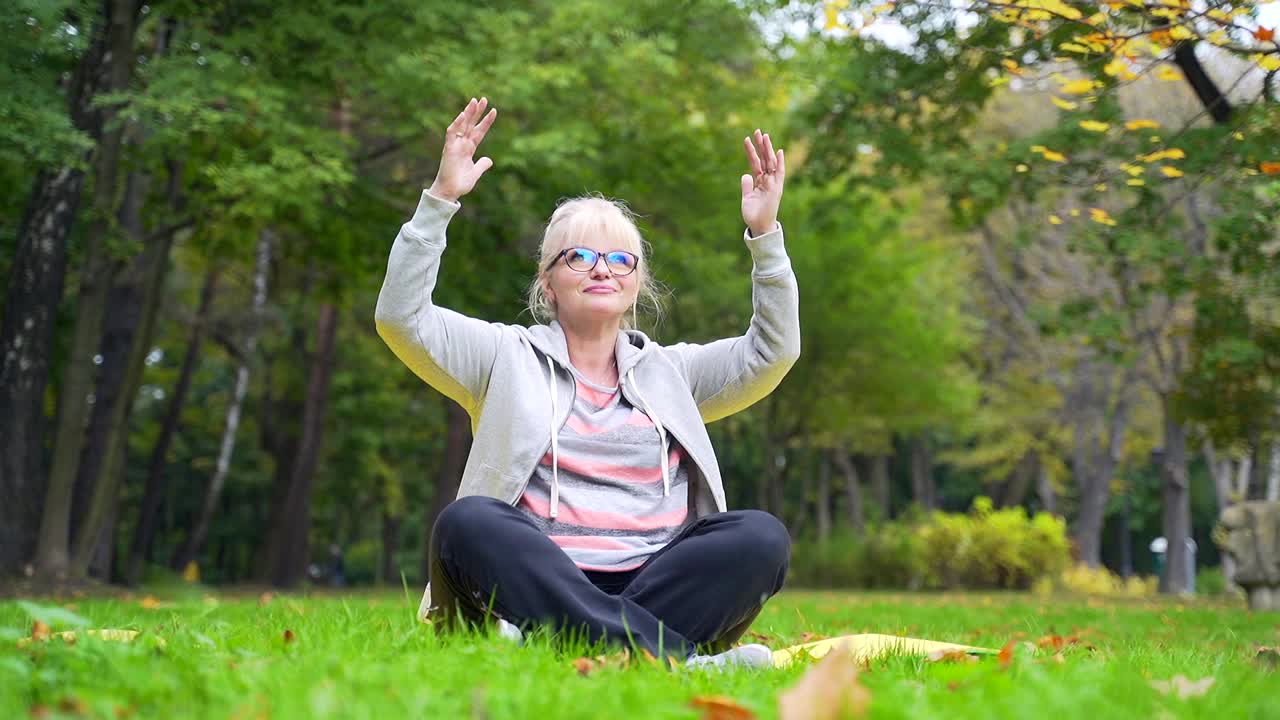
639	419
584	428
604	519
589	542
593	396
598	469
610	568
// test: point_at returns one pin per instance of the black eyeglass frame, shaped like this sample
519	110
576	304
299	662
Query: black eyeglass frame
599	256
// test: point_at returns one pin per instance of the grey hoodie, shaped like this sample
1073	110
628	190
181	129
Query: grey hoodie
514	383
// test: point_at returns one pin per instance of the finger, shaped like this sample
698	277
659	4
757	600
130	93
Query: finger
753	158
782	165
771	163
480	108
748	184
482	165
483	128
456	125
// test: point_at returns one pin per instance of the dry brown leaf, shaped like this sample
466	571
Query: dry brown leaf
1006	654
71	705
39	711
265	598
950	656
809	637
719	707
760	637
584	666
149	602
827	691
289	636
1184	688
40	631
1051	642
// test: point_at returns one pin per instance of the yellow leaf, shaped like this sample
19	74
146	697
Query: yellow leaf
1075	212
882	8
1134	170
1038	148
832	17
829	690
1180	32
1140	124
1169	154
1115	67
1054	156
998	81
1269	63
1055	220
149	602
1136	182
1168	72
1100	187
1101	216
1094	125
1075	48
1057	7
1011	66
1237	135
1171	172
1064	104
1021	168
1078	87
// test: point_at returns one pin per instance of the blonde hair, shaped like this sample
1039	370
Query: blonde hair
600	222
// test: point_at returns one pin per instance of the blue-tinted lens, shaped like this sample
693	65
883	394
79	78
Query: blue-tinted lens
581	259
620	262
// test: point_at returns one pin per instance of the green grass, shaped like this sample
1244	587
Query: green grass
363	655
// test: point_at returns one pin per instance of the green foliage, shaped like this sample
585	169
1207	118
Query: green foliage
986	548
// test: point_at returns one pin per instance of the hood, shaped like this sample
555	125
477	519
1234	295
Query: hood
632	345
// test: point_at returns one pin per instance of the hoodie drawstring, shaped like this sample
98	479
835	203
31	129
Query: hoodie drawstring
555	444
662	434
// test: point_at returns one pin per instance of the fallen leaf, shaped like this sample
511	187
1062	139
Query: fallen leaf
1006	654
72	706
39	711
39	631
584	666
719	707
950	656
265	598
811	637
827	691
289	636
1051	642
760	637
1182	687
149	602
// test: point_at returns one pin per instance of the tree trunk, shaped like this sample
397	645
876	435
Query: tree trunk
457	444
154	491
52	552
1273	475
1044	489
880	486
822	503
852	490
389	571
1220	469
1014	492
34	292
923	490
1094	462
194	543
291	563
134	301
1177	505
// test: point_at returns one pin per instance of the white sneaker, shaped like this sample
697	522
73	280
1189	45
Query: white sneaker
750	656
510	632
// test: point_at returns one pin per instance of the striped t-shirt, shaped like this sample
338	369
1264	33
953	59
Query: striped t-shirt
612	514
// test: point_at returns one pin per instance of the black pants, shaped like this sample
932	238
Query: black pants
700	591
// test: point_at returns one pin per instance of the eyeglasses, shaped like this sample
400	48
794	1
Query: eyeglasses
619	262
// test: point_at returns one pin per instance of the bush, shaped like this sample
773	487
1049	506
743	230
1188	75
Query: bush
1096	582
983	549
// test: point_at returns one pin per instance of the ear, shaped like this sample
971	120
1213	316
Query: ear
546	289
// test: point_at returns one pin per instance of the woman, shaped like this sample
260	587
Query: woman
591	501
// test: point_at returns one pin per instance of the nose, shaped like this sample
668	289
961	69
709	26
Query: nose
601	271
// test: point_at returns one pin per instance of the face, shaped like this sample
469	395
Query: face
595	295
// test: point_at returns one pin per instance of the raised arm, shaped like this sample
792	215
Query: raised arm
731	374
450	351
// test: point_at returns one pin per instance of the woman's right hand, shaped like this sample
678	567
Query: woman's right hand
459	171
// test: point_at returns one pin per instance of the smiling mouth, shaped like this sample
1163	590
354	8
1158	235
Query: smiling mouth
599	290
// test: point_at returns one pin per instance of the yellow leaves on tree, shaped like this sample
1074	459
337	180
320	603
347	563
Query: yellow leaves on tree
1168	73
1064	104
1171	172
1095	126
1048	154
1141	124
1078	87
1102	217
1169	154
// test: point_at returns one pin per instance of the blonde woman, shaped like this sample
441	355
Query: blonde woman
591	501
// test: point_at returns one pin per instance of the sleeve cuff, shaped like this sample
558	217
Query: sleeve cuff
431	218
768	252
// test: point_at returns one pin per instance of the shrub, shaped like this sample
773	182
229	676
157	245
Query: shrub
986	548
1097	582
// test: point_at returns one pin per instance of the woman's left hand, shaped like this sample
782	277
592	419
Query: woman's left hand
762	189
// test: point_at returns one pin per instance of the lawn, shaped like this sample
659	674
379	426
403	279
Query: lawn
364	655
